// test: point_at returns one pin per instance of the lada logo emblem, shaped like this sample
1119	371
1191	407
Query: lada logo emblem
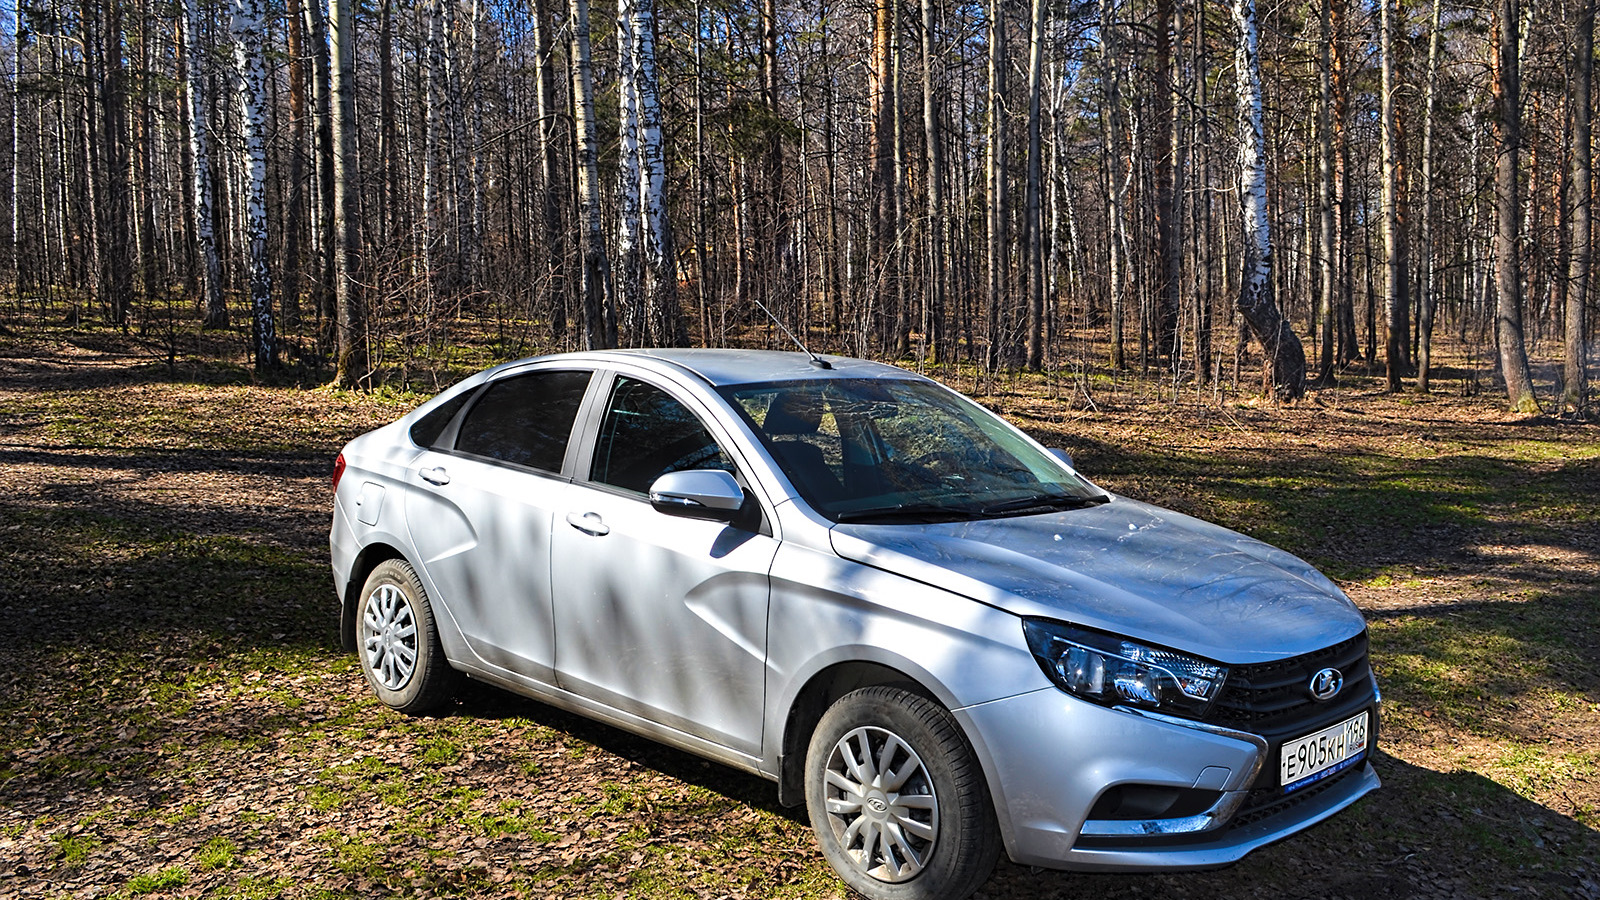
1326	684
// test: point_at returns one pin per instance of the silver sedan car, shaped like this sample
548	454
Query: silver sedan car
850	580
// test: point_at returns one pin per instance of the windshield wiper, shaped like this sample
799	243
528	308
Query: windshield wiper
1045	502
927	512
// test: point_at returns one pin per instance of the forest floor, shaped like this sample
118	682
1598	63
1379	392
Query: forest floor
176	717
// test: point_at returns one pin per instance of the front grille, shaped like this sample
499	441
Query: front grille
1274	699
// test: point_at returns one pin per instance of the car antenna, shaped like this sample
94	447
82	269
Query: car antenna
816	360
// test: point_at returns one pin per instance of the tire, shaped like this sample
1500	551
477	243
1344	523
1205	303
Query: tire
922	829
399	644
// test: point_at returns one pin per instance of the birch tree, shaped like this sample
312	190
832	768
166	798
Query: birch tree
628	268
1285	359
663	317
249	33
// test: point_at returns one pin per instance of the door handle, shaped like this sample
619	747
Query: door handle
589	523
436	475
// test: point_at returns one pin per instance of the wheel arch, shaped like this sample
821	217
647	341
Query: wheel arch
821	691
368	559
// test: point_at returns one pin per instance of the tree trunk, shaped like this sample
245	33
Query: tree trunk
118	271
777	214
1327	200
1169	234
210	271
1508	209
1427	296
1284	356
350	347
388	224
996	180
151	270
1574	372
327	237
939	230
1115	188
648	289
1344	297
883	107
249	31
1396	294
1032	223
627	269
549	169
599	317
295	216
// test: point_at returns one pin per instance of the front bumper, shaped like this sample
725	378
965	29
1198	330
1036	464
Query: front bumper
1052	760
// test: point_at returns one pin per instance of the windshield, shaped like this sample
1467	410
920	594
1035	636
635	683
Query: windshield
882	450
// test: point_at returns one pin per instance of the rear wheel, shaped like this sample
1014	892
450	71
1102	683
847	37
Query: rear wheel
399	643
897	800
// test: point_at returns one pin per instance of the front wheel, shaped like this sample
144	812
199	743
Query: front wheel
897	799
399	644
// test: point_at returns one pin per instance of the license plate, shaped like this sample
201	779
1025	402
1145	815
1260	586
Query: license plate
1319	755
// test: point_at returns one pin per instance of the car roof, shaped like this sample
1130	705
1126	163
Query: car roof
729	367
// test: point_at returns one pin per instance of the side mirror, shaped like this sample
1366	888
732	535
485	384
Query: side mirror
698	494
1064	456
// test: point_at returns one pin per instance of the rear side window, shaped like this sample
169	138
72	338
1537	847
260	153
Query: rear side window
525	419
428	429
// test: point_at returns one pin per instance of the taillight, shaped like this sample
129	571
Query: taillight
338	471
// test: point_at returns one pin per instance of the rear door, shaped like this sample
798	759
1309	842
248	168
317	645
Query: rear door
661	616
481	509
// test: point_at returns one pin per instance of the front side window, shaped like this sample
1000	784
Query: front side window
525	419
646	434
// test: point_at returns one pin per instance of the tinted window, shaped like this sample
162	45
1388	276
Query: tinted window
647	434
426	431
526	419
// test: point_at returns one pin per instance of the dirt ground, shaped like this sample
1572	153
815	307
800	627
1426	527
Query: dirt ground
176	719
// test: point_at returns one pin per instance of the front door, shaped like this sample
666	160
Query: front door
661	616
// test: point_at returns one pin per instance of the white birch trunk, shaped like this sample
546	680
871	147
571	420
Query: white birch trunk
665	324
249	31
628	273
1285	356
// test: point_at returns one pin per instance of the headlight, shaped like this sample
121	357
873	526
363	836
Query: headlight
1107	669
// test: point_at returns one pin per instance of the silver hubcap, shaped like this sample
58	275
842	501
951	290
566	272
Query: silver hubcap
389	637
881	804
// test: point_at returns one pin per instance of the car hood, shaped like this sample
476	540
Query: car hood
1128	568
